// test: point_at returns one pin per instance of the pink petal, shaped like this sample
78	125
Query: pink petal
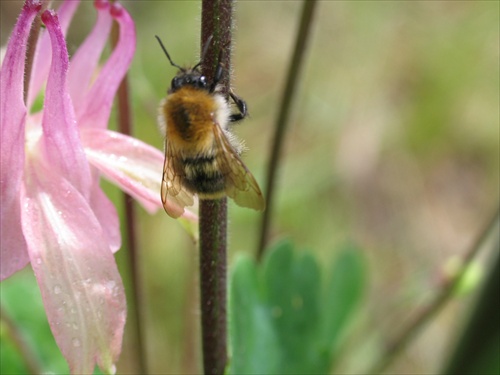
105	212
86	58
97	105
41	62
81	288
133	165
12	124
61	138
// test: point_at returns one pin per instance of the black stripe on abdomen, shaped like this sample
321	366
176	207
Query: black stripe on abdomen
201	175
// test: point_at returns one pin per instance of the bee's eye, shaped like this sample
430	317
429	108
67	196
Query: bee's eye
203	81
176	83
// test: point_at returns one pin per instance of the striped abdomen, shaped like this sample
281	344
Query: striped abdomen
201	175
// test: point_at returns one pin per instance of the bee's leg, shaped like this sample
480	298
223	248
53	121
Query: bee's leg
242	107
240	103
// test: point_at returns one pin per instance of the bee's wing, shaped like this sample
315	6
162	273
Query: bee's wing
240	183
173	195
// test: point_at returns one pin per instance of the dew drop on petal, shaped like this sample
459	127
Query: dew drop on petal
76	342
112	369
74	325
38	261
111	284
57	289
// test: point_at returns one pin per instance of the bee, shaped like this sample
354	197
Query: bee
202	156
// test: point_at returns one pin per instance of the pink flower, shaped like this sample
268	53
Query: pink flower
54	215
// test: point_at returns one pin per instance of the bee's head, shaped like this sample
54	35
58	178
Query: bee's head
191	77
188	77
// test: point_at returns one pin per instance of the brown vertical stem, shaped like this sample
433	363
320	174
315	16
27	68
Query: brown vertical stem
213	284
216	23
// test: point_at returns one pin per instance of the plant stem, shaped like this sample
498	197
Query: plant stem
125	127
425	314
480	337
283	118
213	284
216	23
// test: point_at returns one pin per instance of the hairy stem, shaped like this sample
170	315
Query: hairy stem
216	27
213	284
283	118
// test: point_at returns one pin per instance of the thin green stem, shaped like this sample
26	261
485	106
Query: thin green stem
282	121
216	23
427	312
476	350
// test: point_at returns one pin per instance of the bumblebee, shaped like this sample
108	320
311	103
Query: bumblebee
202	156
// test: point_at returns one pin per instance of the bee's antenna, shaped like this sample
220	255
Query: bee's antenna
166	53
204	52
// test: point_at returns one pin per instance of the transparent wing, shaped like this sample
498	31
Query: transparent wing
173	195
240	183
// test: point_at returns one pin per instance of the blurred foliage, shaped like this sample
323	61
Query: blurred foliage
477	350
284	319
394	143
22	302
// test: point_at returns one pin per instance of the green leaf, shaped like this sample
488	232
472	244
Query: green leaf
292	286
282	319
343	292
254	344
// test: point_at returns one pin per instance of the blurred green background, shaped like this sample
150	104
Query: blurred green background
394	144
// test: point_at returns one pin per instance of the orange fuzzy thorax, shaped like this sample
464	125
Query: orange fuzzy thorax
190	114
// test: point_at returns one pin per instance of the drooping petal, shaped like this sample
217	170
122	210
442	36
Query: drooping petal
85	60
133	165
81	288
12	126
61	141
97	105
105	212
42	59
